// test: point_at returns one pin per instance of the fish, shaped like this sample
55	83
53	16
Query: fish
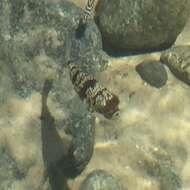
97	97
88	10
85	16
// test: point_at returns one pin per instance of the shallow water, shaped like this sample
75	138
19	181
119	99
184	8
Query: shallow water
146	147
153	125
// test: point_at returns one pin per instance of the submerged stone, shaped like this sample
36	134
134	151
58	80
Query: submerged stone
45	31
153	73
72	159
100	180
178	60
81	128
133	26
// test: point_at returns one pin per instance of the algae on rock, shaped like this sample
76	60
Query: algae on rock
178	60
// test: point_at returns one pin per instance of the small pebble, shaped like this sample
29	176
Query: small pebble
153	73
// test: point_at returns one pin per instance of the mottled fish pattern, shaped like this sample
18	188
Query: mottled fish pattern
98	98
83	21
88	10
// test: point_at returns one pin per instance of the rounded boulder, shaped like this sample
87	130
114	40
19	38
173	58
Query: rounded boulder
141	26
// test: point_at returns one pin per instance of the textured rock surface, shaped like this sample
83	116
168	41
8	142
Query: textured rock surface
46	28
178	60
81	128
141	25
153	73
37	153
100	180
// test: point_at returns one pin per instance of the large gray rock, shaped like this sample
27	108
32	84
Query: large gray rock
141	25
178	60
35	153
36	29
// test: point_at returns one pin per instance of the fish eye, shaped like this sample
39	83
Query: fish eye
116	114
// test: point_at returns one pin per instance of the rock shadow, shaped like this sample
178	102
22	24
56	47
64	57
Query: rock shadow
54	149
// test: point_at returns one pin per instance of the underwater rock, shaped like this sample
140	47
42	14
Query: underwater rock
100	179
50	27
45	30
73	158
36	50
159	166
81	128
9	173
153	73
178	60
133	26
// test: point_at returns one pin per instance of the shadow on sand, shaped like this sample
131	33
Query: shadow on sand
54	149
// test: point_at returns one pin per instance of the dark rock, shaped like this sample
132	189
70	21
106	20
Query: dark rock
91	58
133	26
153	73
65	26
81	128
178	60
70	161
51	26
100	180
